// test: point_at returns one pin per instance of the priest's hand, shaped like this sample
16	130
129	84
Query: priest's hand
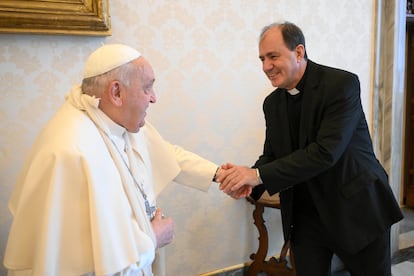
163	228
237	181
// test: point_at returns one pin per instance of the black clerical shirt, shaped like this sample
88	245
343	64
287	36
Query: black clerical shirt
302	201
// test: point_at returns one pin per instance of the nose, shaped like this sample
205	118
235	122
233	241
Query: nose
153	98
266	65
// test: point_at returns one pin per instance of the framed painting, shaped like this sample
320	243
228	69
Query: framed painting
68	17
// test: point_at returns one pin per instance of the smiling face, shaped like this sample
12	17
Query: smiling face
283	67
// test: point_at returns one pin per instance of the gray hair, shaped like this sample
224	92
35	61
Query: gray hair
94	86
292	35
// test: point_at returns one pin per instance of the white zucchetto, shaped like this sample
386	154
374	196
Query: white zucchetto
108	57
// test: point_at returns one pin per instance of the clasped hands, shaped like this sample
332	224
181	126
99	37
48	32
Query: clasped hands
237	181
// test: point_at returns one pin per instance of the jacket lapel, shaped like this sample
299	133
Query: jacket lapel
310	96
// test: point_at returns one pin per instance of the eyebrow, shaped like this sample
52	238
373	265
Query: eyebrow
269	54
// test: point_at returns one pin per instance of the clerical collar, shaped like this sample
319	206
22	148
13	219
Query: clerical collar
293	91
301	84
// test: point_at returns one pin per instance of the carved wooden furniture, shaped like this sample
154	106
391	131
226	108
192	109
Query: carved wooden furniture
273	266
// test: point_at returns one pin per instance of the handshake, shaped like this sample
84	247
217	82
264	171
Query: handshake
237	181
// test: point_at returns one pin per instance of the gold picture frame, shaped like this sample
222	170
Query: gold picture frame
67	17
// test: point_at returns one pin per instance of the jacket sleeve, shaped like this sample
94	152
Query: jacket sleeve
195	171
173	163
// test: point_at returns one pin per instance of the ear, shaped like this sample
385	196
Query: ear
114	92
300	52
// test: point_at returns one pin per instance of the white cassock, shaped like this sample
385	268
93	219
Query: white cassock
75	205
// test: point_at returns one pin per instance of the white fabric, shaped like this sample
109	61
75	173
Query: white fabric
194	171
76	209
293	91
108	57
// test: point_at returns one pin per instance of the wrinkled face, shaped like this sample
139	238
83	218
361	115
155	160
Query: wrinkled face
138	96
280	64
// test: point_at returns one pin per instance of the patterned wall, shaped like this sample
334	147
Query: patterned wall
210	90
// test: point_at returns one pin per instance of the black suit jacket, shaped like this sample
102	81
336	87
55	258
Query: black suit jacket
348	185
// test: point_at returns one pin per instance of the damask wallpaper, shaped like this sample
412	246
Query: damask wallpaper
210	89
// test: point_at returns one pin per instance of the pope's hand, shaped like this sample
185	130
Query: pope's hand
163	228
244	191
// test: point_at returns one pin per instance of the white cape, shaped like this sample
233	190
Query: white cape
77	211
